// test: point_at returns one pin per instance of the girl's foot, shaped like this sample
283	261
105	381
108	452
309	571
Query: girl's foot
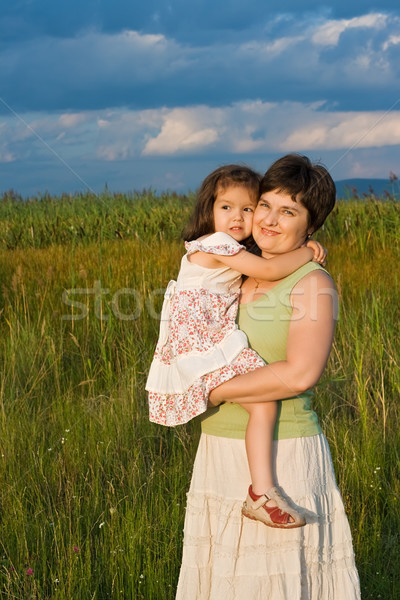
282	515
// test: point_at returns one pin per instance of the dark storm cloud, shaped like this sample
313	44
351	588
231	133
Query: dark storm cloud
351	63
189	21
111	84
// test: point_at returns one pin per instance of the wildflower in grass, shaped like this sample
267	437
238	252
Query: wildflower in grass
76	549
29	571
11	569
102	524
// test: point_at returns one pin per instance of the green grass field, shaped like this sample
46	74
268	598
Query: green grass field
92	495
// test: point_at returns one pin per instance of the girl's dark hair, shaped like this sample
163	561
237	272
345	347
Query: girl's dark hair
202	219
305	182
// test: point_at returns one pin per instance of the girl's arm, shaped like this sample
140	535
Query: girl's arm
314	301
271	269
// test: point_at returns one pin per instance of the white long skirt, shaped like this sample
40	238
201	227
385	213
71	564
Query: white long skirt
229	557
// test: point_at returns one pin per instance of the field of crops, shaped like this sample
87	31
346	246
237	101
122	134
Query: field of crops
92	495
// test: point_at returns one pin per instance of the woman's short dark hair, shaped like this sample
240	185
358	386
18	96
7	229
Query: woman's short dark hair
305	182
202	219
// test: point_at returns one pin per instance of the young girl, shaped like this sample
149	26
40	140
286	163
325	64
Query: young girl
200	345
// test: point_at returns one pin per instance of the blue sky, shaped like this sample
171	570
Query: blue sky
157	94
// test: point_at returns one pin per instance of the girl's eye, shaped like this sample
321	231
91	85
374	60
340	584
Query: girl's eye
248	209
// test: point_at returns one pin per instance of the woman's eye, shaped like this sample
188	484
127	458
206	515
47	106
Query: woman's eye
288	212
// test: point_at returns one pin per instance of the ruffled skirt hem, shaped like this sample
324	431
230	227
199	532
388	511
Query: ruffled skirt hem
228	556
179	408
176	374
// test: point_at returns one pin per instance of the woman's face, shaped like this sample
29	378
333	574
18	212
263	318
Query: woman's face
279	224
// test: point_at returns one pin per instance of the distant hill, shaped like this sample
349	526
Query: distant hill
346	188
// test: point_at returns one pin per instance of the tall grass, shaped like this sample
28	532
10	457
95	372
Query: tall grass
83	218
92	495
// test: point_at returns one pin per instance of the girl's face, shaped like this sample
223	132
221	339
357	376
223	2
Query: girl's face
233	212
280	224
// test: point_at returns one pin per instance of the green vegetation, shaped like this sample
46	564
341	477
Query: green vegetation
92	495
81	219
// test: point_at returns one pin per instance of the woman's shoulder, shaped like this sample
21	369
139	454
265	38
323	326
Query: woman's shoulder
309	272
313	291
313	272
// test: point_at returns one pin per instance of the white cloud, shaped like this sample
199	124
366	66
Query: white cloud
144	40
329	33
247	89
272	49
346	130
393	40
6	156
177	138
247	131
253	127
247	145
184	130
71	119
254	132
114	152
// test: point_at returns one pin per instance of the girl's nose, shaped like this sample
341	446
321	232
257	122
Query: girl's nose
238	216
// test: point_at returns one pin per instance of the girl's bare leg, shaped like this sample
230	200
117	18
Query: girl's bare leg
259	438
259	442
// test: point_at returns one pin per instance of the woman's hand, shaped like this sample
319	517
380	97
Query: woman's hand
319	252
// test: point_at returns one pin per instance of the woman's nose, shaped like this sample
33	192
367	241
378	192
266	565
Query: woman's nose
271	218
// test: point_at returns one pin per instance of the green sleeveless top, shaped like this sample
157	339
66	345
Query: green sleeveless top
266	324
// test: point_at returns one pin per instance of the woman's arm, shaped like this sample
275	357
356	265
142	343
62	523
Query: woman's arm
311	330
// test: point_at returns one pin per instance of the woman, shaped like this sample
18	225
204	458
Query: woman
290	323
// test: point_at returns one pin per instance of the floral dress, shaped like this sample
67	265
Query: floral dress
200	345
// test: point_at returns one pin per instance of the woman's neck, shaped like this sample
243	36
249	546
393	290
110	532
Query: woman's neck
253	288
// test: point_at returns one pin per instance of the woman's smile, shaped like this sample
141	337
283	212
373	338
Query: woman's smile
280	224
266	231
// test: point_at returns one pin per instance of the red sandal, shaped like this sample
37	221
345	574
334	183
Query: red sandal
255	508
